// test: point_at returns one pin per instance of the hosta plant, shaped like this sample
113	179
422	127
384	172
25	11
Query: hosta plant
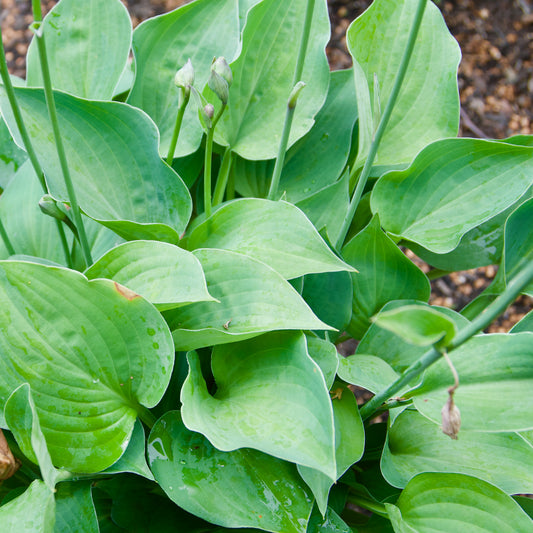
186	238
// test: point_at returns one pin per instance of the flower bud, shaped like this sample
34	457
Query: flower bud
184	78
451	418
295	93
207	112
219	86
221	67
49	207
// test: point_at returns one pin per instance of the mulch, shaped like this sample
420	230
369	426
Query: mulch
495	82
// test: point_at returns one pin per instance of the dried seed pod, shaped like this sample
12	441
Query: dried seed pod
8	463
451	418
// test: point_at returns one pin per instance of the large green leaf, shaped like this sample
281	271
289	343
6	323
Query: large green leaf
398	353
23	421
262	78
162	273
330	523
489	366
416	445
94	353
384	274
111	149
244	488
198	31
271	396
427	108
525	324
30	232
367	371
75	508
253	299
448	503
11	156
324	354
451	187
349	444
31	511
317	160
79	35
265	230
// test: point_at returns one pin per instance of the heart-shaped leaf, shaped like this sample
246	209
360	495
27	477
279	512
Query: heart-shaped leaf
265	230
243	488
162	273
262	78
198	31
384	274
416	445
95	355
488	366
122	183
253	299
449	503
273	370
427	108
79	35
452	186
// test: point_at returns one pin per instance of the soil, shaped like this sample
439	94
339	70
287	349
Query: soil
495	81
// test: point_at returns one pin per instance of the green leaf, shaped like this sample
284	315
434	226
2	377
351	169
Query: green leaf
452	186
198	31
31	511
262	78
87	45
318	159
134	458
367	371
244	488
427	108
23	421
388	346
75	510
94	353
276	371
30	232
525	324
11	156
122	183
349	444
518	246
384	274
265	231
324	354
162	273
253	299
329	295
455	502
330	523
489	366
418	325
416	445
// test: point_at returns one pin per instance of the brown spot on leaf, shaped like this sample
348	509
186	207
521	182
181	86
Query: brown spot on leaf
124	291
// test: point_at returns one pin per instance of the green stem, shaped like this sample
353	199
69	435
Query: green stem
147	417
365	503
5	237
17	114
491	312
437	273
52	112
223	175
306	31
208	162
184	100
365	173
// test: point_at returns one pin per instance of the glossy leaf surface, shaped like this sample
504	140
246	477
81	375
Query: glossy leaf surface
162	45
384	274
416	445
449	503
262	78
485	364
253	299
93	353
274	370
451	187
162	273
265	231
236	489
427	108
121	182
78	36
